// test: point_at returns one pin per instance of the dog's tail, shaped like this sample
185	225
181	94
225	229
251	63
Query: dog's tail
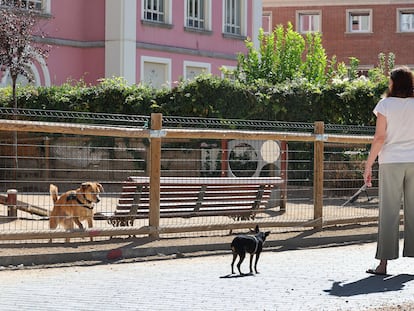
53	192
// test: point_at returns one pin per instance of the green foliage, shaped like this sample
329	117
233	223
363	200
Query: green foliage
352	102
289	48
109	96
289	78
353	68
284	55
385	65
315	65
279	57
340	102
210	96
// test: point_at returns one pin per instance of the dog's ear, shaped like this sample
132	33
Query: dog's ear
257	229
100	187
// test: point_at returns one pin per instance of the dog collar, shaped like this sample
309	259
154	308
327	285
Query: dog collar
83	203
73	196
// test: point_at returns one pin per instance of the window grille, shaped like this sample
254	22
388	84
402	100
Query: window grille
309	23
359	22
407	21
232	24
267	22
195	14
154	10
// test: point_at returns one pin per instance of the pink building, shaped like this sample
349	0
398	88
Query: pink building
157	42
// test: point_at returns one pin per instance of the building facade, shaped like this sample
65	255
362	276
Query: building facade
351	28
157	42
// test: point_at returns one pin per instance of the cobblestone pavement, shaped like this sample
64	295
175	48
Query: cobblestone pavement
327	278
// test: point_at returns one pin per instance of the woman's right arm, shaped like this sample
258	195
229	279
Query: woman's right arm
376	146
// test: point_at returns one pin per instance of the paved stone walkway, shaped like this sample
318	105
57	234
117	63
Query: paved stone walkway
327	278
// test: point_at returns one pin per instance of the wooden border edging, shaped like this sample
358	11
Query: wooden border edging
145	230
148	230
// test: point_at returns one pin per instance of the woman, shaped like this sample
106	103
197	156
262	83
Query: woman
394	145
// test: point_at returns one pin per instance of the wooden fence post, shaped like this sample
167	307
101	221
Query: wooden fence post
46	143
318	174
12	203
283	174
155	173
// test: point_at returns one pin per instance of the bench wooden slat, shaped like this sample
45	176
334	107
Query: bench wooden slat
187	181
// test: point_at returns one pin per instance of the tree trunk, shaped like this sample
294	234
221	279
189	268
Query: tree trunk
14	83
16	163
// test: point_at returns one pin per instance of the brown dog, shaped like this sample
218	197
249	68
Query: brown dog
74	206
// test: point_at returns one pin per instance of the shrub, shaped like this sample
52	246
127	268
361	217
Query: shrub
297	100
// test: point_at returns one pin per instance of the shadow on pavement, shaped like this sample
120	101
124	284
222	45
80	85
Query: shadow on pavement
369	285
231	276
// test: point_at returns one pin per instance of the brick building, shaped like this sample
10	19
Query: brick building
351	28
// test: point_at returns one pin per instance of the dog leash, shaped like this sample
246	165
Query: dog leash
356	195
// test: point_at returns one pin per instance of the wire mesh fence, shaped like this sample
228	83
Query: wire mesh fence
229	168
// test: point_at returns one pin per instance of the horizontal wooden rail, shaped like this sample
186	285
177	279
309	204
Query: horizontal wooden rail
69	128
98	130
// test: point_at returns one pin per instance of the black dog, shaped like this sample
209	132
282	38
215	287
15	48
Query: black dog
250	244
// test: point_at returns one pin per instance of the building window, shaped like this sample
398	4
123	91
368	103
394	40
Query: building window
155	71
197	14
359	21
194	69
156	11
227	72
267	22
405	20
35	5
234	16
308	21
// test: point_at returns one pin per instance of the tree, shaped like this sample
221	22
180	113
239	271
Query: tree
284	55
18	50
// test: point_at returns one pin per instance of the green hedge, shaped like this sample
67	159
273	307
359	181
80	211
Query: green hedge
342	102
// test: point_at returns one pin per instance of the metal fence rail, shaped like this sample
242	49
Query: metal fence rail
176	121
321	165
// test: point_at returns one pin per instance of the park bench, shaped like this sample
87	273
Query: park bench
235	197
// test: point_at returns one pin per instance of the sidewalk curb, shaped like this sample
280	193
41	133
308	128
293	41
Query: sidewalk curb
145	249
108	255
